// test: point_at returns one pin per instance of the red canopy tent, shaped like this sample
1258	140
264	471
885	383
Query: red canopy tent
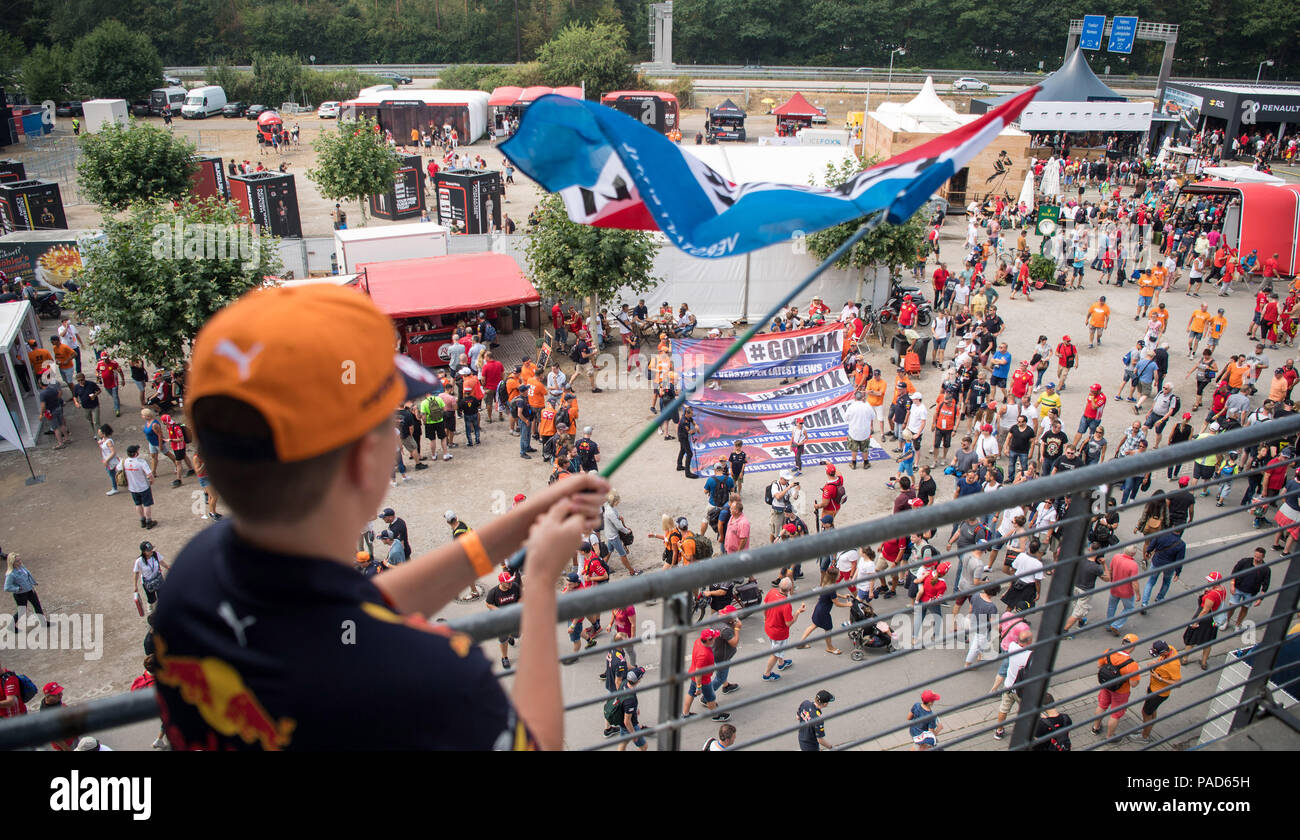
1268	222
504	97
796	107
571	91
418	293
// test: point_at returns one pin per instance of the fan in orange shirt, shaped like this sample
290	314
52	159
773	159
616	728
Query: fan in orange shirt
1147	285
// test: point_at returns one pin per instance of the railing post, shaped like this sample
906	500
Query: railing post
672	651
1261	669
1074	546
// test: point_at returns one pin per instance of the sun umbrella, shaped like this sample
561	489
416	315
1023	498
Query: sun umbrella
1026	198
1051	178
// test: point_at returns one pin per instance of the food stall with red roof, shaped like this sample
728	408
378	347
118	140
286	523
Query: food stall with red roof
426	297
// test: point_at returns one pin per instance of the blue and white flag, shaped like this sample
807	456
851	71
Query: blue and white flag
612	171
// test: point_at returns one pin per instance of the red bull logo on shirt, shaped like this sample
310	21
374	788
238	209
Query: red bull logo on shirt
219	694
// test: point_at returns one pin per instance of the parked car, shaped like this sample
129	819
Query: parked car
395	78
140	108
820	119
969	83
252	111
234	109
68	109
172	80
328	111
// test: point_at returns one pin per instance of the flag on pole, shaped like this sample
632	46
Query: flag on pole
612	171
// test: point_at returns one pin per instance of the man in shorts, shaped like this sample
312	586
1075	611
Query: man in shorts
1097	320
1163	407
139	482
1196	328
861	418
1116	695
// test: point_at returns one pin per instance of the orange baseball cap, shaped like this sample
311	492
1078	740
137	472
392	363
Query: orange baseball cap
316	361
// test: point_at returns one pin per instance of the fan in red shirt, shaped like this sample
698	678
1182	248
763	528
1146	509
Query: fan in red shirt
817	307
776	623
1066	356
492	372
1269	267
907	312
11	701
110	379
829	502
1021	380
940	281
702	657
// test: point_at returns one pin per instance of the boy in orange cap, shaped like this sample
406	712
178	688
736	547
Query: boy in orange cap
256	604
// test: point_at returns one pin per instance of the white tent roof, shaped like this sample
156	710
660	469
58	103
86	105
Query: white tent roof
1241	174
925	113
743	164
12	315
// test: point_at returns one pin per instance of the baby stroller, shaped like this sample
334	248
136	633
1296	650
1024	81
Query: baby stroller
875	638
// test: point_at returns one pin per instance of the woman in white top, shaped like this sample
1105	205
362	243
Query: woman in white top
940	328
108	456
612	526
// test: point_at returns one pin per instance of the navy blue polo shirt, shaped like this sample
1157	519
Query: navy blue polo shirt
268	651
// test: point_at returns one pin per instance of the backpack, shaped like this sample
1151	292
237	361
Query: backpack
431	409
614	711
578	352
1057	743
703	547
185	433
719	495
1110	675
841	496
1020	687
26	688
749	593
767	495
503	396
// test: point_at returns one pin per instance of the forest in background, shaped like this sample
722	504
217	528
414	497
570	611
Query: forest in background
1220	38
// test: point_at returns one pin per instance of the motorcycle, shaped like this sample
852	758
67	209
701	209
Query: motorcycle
48	305
924	309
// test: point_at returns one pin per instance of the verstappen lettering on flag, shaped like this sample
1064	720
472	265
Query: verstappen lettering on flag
766	437
799	353
797	396
615	172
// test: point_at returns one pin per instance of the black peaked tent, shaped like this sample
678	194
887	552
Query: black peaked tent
1074	82
725	122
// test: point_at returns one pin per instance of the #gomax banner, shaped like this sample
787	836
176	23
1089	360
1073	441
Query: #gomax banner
798	353
764	422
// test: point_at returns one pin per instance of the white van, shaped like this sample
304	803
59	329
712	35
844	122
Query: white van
203	102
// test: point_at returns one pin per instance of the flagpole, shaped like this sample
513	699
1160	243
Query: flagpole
516	560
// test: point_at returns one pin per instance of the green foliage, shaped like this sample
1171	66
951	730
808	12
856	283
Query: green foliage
1042	268
892	246
280	78
116	62
353	162
483	77
47	74
1221	39
11	58
682	87
150	298
140	163
569	260
592	54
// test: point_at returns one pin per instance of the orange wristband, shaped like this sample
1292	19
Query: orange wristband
473	548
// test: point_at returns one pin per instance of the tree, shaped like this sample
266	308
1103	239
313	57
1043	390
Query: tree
353	162
159	275
595	54
11	57
569	260
140	163
892	246
47	74
115	62
277	78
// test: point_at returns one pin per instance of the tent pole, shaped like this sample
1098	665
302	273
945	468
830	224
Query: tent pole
744	302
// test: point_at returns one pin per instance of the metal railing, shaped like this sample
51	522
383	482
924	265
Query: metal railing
1086	493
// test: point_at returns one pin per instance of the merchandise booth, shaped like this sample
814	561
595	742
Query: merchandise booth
427	297
1076	115
725	122
1258	217
898	127
793	115
509	102
21	417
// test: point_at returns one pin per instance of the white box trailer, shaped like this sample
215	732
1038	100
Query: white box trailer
97	112
389	242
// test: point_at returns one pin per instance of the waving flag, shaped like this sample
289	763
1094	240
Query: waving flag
612	171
